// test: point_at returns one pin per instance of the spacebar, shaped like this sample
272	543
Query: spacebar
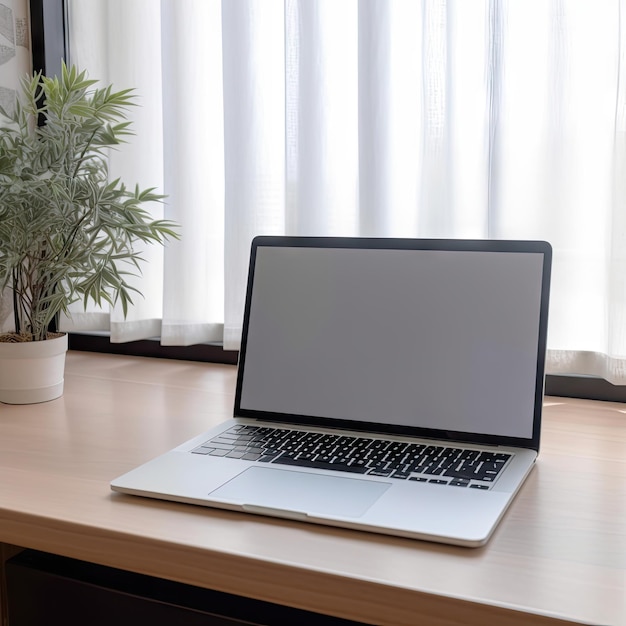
338	467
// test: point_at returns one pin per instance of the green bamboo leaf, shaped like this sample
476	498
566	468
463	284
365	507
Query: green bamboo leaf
67	232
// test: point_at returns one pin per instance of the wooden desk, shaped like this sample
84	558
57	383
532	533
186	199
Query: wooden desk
559	554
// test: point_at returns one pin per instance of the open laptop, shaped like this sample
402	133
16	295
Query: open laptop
386	385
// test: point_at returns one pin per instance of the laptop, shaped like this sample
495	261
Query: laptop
385	385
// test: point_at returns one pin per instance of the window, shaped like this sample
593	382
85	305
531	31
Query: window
430	119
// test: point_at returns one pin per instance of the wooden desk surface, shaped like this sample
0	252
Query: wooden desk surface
560	551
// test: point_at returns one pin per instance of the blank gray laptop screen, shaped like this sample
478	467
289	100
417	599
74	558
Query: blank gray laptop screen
435	339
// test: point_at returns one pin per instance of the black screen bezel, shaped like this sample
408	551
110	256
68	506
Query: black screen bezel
479	245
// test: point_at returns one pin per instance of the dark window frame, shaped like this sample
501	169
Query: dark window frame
205	352
49	39
50	45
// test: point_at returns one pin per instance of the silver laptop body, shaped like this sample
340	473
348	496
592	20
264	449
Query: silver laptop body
386	385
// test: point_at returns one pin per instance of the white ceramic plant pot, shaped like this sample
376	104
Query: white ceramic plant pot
32	371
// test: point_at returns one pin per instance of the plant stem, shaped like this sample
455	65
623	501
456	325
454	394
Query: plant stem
16	317
82	155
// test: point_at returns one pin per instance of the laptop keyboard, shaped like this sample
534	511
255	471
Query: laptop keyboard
458	467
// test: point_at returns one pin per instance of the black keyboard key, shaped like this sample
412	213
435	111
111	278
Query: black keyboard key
400	475
377	465
469	455
379	472
395	465
325	458
492	467
447	463
464	469
267	458
270	450
396	447
359	463
377	444
286	460
459	482
433	470
375	454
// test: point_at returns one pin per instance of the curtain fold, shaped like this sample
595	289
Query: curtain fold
254	141
193	164
372	118
322	145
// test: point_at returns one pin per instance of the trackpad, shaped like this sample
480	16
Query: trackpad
301	492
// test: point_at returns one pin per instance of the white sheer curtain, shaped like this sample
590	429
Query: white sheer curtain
500	119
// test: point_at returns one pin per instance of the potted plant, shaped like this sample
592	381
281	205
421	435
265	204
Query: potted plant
67	232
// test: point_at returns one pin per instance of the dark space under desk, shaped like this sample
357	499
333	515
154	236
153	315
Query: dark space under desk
558	555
